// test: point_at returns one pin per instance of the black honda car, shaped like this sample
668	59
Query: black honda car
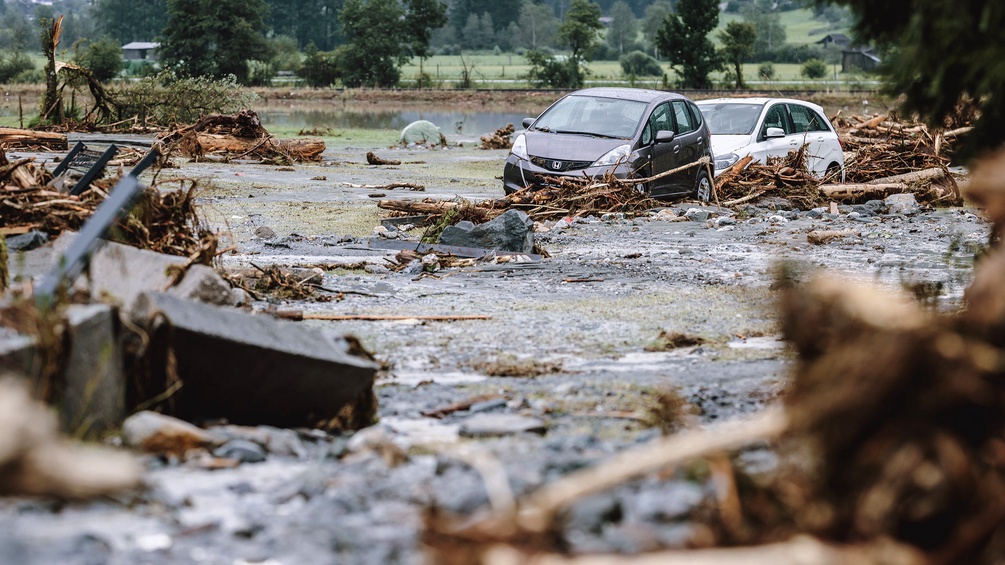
628	131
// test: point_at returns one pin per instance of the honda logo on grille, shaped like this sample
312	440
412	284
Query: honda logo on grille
556	165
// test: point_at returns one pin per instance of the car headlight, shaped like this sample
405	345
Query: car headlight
725	161
520	147
620	154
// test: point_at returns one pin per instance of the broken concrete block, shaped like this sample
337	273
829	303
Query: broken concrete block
903	203
510	231
17	352
156	433
249	369
204	284
93	397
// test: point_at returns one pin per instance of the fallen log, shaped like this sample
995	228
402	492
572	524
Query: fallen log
800	550
373	159
15	137
849	191
297	149
912	177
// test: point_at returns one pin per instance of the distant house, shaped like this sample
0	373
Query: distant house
859	59
140	51
839	40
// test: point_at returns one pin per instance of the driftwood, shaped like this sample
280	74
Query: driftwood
15	137
800	550
373	159
933	173
240	136
859	191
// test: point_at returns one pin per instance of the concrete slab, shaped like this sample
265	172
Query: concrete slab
249	369
93	398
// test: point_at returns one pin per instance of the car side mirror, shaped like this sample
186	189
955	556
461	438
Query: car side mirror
772	133
665	136
527	122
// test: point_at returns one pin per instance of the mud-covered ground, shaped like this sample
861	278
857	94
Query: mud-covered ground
325	499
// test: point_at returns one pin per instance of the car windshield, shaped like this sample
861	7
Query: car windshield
593	115
731	118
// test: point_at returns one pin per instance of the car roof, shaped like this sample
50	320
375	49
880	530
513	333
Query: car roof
636	94
759	100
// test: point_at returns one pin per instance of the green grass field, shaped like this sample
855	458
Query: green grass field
501	71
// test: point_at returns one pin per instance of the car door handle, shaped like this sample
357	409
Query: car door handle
676	148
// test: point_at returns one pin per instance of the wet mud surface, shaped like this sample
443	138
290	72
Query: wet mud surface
360	499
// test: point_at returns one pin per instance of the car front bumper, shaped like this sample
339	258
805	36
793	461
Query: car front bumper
520	173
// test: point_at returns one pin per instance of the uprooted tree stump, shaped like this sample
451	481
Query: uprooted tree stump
240	136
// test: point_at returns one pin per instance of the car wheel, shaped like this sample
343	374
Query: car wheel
703	187
833	173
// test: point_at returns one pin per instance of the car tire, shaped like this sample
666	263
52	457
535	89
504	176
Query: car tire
833	173
703	187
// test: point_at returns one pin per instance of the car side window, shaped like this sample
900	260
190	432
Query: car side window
805	119
775	118
658	121
698	117
685	122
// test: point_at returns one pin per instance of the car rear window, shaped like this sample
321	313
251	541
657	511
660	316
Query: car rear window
685	123
731	119
807	119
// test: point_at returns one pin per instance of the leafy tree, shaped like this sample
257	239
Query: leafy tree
624	28
737	45
768	22
306	21
538	26
580	31
320	69
214	38
638	63
942	53
16	32
653	20
385	34
546	71
129	20
766	71
814	69
503	12
13	65
478	32
683	38
103	57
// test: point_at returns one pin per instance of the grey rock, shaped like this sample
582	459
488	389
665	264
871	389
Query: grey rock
487	406
814	213
204	284
775	203
511	231
672	501
591	513
724	221
265	232
158	433
376	269
242	450
490	425
904	203
27	241
697	214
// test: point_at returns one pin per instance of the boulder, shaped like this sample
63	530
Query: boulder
511	231
422	131
903	203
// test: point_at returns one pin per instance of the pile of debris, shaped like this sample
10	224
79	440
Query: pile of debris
240	136
560	197
889	442
499	139
163	221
